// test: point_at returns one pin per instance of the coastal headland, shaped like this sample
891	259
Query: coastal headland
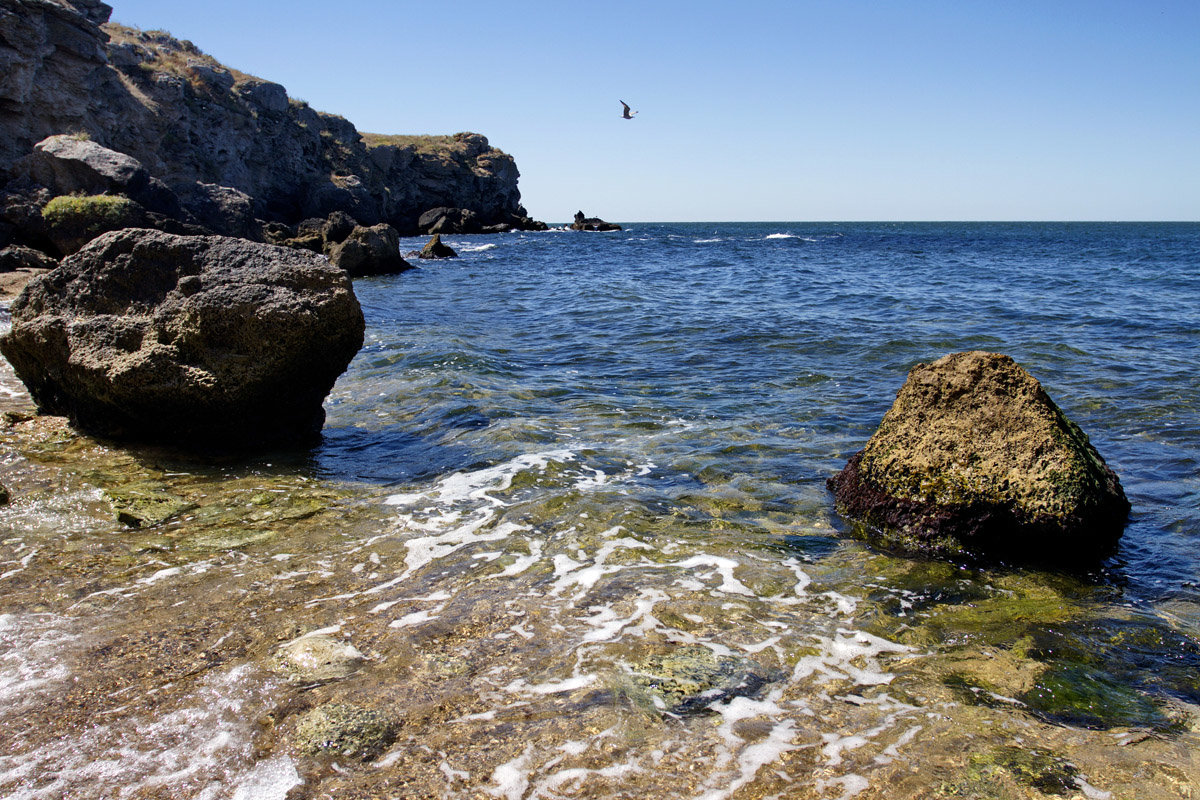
206	148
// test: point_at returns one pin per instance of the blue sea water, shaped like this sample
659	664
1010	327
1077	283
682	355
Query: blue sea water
570	513
766	354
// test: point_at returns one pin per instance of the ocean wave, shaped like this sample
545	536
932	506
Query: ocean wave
477	248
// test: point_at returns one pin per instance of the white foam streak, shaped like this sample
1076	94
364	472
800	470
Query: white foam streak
723	567
461	486
269	780
511	778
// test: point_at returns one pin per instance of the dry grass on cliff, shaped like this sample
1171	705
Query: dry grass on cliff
169	54
422	143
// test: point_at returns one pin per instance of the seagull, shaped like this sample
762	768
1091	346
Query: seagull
626	114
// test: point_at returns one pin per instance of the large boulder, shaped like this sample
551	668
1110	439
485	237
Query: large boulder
188	340
369	251
975	460
71	164
443	219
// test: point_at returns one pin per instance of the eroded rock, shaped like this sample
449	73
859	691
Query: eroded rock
200	341
583	223
370	251
434	248
975	460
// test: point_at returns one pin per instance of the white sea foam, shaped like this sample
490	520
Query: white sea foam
205	741
511	779
721	566
34	656
475	248
269	780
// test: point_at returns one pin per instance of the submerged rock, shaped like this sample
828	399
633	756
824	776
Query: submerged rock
146	503
316	658
693	677
974	459
345	730
435	249
194	340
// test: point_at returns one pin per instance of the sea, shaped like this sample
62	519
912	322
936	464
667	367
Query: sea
570	512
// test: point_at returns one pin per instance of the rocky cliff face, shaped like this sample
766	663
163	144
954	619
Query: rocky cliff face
204	129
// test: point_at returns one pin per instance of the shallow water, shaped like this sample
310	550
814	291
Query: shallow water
570	507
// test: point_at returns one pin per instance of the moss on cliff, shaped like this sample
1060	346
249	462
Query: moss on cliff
72	221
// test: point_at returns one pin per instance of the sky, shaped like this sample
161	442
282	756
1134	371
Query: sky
760	110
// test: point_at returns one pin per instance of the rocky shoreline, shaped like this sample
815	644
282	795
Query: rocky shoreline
140	129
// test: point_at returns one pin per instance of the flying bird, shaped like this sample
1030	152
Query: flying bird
627	114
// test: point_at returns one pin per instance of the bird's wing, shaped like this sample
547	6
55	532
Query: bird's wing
622	102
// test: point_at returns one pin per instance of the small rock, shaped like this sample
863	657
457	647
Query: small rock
316	658
435	249
72	221
691	678
145	504
345	730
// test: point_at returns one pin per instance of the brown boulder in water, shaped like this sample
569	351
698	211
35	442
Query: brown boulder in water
435	248
200	341
975	460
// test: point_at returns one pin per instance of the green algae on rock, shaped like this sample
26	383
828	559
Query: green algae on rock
691	678
346	730
974	460
144	504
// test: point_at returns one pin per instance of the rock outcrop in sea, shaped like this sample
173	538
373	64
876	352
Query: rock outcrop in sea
436	248
583	223
975	460
194	340
151	117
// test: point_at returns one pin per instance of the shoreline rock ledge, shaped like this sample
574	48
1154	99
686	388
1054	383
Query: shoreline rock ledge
196	341
974	461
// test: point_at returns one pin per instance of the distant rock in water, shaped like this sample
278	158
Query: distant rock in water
191	340
369	251
583	223
975	460
434	248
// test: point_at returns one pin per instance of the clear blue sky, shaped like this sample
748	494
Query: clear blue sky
832	110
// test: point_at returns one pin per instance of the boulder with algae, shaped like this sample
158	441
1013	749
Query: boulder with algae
339	729
975	460
691	678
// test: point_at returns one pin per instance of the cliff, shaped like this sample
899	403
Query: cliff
204	129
